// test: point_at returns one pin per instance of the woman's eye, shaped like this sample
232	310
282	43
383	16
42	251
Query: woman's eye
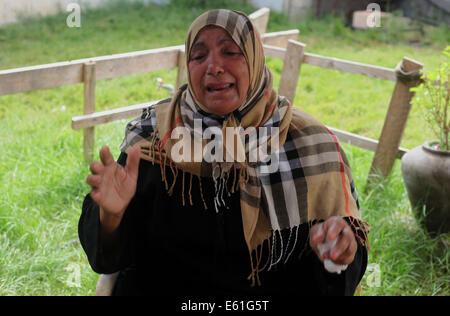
197	57
232	53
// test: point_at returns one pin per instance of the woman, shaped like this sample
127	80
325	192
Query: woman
224	224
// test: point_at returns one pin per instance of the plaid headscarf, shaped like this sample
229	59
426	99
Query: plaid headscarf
313	180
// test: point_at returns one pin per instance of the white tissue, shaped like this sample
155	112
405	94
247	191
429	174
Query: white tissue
329	265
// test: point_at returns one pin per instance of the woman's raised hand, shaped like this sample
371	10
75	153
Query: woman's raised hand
113	186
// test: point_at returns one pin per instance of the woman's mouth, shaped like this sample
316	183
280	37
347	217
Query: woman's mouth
216	88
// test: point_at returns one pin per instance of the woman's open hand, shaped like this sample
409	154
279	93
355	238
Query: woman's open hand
344	251
113	186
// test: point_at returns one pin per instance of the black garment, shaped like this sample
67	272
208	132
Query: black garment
179	251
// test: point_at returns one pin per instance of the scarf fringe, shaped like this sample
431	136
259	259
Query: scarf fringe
190	187
156	154
201	192
362	228
182	189
255	267
273	258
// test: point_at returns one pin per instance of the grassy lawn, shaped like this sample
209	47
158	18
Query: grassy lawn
42	173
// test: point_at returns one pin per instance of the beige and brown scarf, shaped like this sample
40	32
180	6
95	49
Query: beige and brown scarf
312	181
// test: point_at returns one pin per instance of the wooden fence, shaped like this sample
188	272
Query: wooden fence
283	45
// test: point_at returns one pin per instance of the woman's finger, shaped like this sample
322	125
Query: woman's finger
94	180
106	156
334	227
343	251
132	166
317	234
349	255
95	195
96	167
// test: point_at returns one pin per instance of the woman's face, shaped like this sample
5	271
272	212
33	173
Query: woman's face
218	71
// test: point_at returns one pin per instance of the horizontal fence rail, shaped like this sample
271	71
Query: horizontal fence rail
71	72
107	67
361	141
97	118
350	66
336	64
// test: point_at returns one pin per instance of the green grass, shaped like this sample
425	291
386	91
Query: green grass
42	174
410	262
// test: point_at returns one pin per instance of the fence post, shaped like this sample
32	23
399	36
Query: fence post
291	69
181	76
260	19
395	122
89	78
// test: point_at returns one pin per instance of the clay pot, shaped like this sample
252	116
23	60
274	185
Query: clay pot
426	173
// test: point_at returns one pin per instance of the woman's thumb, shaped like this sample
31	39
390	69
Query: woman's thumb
132	166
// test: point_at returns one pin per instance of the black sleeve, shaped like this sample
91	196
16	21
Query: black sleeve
105	257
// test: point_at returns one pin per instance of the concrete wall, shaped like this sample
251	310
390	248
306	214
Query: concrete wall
12	10
275	5
297	9
293	8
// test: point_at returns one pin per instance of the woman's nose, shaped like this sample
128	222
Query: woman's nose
215	66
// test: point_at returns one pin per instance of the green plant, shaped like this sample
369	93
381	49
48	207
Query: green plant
433	96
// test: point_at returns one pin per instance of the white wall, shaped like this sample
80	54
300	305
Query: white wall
12	10
292	8
298	8
275	5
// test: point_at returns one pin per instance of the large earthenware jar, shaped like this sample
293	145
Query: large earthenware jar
426	173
